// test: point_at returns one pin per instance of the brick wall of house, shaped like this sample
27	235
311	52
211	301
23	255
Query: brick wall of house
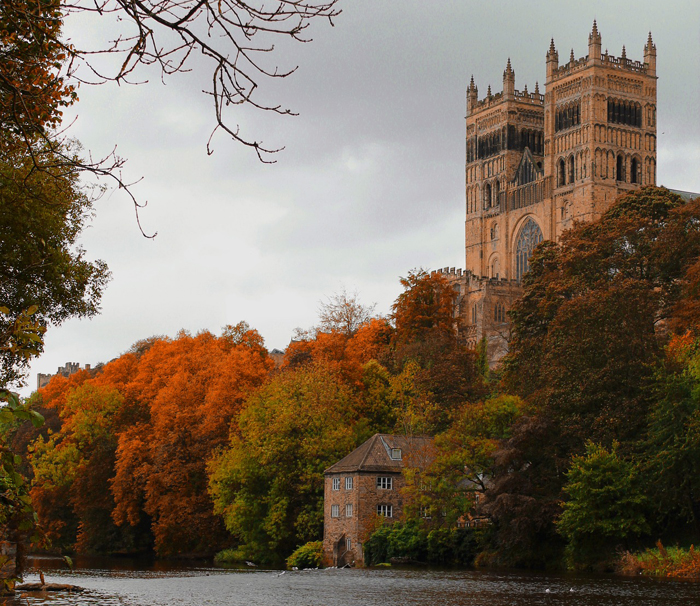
364	497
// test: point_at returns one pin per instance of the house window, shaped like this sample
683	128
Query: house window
396	454
335	511
384	483
336	483
424	512
348	483
348	510
385	511
348	544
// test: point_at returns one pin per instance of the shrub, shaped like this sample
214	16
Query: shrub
232	556
376	547
456	546
306	556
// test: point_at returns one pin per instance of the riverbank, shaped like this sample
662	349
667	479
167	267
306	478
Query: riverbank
671	562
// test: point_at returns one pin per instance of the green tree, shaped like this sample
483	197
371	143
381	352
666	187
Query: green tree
268	483
606	506
671	453
20	340
464	468
42	214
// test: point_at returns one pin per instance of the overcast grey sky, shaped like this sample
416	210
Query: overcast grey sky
370	184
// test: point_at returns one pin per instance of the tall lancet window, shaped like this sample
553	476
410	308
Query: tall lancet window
530	236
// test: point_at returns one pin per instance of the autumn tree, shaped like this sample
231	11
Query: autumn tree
593	317
72	470
425	308
33	86
426	337
127	465
188	392
589	331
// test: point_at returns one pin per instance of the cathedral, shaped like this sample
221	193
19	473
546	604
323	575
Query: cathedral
535	163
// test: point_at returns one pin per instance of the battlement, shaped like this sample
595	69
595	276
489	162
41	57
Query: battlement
470	278
491	100
574	65
623	63
65	371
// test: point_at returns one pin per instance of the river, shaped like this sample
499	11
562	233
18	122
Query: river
125	583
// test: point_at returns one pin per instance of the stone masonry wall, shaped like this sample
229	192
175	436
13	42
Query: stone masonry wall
364	497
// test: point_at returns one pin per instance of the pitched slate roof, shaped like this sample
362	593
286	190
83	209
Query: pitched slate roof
686	195
375	454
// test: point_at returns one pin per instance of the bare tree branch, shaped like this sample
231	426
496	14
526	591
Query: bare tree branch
40	70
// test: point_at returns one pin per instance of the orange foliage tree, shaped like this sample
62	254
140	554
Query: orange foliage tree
129	460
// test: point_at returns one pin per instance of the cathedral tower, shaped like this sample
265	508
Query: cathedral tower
537	163
502	129
600	130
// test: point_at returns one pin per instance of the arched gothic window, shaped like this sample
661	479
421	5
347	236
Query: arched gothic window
572	170
487	195
561	176
620	168
530	236
634	169
495	272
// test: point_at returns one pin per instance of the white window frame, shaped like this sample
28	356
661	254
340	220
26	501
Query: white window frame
348	510
386	511
385	482
336	483
348	483
335	511
395	454
348	544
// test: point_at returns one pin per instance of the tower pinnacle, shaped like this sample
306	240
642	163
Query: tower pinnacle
594	45
552	59
650	56
508	81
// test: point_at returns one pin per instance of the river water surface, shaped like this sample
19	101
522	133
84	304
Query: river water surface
111	583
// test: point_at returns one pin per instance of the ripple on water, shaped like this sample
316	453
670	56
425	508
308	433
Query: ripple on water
200	586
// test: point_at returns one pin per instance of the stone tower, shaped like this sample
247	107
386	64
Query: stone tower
502	129
536	163
600	130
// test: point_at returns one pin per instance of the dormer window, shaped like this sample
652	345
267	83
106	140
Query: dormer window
395	454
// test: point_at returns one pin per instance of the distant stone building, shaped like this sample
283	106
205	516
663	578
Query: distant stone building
535	163
277	356
42	380
364	487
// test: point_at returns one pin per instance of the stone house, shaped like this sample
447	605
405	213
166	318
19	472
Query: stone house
364	487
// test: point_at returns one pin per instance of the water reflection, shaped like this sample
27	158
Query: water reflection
112	582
